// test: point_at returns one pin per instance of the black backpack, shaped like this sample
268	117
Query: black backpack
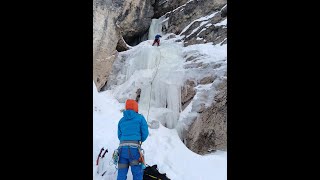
152	173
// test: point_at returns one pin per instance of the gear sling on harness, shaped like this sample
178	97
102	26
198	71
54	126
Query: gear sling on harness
133	162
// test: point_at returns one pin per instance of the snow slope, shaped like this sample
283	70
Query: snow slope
163	147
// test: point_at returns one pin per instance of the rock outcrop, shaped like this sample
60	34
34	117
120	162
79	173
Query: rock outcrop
187	93
200	26
116	23
161	7
209	131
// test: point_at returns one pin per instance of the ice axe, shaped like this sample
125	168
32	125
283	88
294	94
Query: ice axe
104	153
103	157
102	149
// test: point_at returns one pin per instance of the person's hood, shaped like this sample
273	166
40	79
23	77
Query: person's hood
129	114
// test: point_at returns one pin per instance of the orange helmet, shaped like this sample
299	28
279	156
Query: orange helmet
132	105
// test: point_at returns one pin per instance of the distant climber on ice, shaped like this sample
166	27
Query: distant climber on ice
157	39
132	131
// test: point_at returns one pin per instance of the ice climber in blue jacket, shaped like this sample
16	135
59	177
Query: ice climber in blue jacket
132	131
157	39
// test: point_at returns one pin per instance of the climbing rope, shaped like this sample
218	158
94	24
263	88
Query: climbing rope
151	85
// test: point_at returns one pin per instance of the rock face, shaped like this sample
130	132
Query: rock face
187	93
135	18
116	23
208	31
161	7
209	131
105	39
122	46
200	30
184	15
204	129
207	80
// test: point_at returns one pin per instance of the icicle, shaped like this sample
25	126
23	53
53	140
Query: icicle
155	27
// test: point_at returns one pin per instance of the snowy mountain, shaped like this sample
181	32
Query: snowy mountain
180	85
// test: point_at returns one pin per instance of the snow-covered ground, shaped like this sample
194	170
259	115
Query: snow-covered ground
163	147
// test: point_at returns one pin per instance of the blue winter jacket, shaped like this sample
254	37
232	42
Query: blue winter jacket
132	127
157	36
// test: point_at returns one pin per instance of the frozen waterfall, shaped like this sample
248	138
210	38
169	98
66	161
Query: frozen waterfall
159	73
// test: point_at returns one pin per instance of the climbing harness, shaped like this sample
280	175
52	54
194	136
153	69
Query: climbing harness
130	145
116	154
